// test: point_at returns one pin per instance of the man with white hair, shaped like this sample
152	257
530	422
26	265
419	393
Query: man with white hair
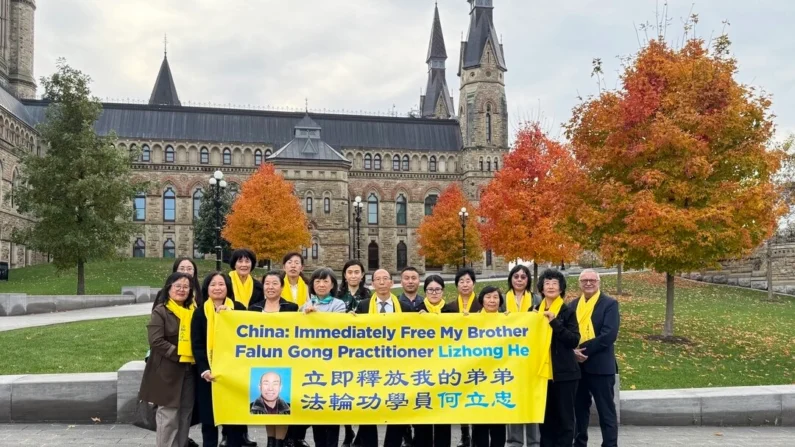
598	318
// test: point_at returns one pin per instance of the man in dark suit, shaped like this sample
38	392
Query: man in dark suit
597	358
383	302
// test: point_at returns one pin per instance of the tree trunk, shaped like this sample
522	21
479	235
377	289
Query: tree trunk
618	279
534	285
81	277
770	270
668	327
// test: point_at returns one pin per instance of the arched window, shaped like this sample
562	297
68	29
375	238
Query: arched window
268	153
377	162
372	256
481	164
15	189
234	189
204	156
314	251
372	209
396	163
139	248
368	161
305	253
488	164
488	123
400	210
197	202
432	164
169	249
257	157
309	205
134	152
169	154
430	202
227	156
488	258
146	153
169	205
406	165
326	205
402	255
139	207
496	167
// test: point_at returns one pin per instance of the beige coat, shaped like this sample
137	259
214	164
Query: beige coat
163	375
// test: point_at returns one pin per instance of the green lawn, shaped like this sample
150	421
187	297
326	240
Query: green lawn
736	339
102	278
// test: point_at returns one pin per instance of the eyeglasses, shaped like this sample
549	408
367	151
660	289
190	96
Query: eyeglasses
519	276
175	287
589	281
433	290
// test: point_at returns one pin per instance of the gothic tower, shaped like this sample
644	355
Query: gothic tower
19	51
436	102
483	110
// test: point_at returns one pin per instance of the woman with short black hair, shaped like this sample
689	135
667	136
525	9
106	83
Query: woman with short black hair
465	283
434	296
245	289
561	367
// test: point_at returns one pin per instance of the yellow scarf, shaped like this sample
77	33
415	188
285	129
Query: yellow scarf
584	314
434	309
527	302
546	362
303	291
374	307
211	314
469	303
243	290
184	314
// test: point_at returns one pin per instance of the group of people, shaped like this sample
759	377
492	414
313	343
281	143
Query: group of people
178	376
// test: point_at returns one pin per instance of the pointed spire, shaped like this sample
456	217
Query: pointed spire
436	48
481	33
165	92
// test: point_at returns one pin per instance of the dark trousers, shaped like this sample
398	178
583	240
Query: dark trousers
465	438
558	427
297	432
488	435
439	435
349	435
368	436
234	435
326	435
601	387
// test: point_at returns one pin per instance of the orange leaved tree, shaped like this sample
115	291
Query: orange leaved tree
679	163
524	204
440	234
267	216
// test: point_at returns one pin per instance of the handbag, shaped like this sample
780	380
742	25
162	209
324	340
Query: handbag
145	416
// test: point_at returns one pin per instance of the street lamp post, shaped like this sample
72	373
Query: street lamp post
217	185
357	215
463	215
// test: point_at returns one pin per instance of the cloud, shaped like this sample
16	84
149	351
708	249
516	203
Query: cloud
370	54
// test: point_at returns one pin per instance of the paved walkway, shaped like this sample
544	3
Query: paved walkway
45	435
97	313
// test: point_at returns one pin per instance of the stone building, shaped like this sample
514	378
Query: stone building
397	165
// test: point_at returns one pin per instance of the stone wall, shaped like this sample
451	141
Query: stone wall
752	270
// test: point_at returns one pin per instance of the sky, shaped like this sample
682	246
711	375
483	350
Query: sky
369	55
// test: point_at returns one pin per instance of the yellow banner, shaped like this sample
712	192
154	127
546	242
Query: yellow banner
291	368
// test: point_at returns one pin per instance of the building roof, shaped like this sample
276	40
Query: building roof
308	146
14	107
170	123
436	87
165	92
481	31
436	48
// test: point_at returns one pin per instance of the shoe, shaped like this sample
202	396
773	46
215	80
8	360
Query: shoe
287	442
271	441
223	441
278	443
192	443
300	443
247	442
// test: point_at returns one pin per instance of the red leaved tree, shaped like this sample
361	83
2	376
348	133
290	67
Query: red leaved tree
440	233
524	204
679	163
267	216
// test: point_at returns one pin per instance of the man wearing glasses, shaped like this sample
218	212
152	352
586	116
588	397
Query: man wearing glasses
597	315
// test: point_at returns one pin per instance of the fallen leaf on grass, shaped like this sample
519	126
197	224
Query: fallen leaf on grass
718	434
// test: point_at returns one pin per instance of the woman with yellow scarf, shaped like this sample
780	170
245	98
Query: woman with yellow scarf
216	289
465	303
560	365
245	289
434	296
169	376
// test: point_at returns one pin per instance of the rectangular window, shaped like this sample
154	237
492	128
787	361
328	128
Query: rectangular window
139	207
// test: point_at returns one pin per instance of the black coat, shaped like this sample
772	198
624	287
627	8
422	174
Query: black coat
198	341
601	350
364	306
445	309
284	306
565	337
476	306
257	295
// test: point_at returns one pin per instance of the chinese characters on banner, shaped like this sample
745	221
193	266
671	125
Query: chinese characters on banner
289	368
